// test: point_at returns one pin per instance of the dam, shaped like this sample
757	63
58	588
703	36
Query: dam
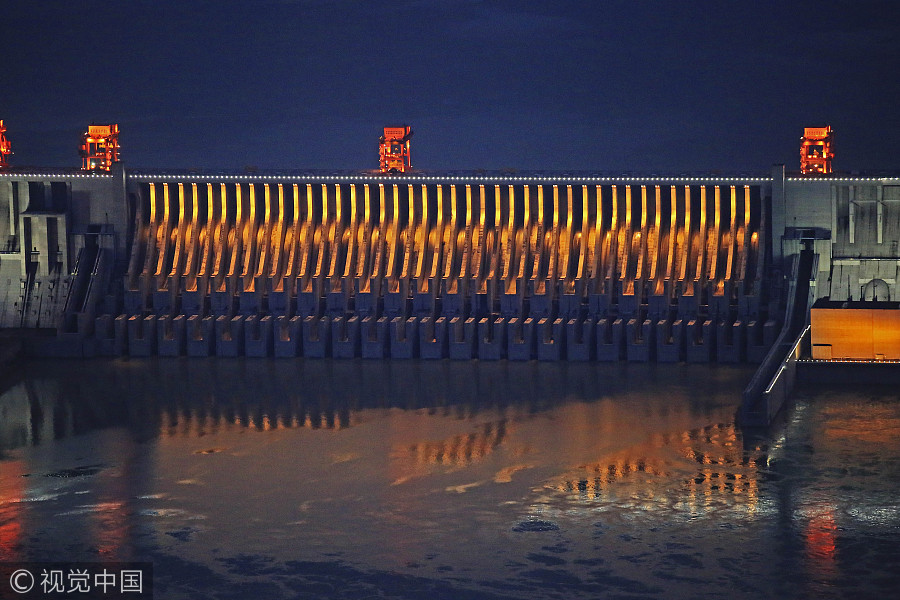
430	265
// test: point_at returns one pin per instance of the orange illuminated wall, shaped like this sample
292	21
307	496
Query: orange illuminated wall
393	149
99	147
815	150
855	333
5	148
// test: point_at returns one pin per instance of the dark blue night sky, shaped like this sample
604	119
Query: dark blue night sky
647	87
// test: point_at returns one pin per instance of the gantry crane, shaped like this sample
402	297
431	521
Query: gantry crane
5	148
394	149
815	150
99	147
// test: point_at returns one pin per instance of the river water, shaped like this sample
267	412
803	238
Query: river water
407	479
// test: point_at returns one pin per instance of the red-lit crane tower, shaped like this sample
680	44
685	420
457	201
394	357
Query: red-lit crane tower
394	149
5	148
815	150
99	147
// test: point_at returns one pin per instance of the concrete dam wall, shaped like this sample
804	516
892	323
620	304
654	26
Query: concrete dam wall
440	268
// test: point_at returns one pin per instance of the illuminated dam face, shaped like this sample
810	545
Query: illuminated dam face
428	266
536	269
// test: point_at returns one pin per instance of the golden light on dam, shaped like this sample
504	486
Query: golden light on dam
374	264
333	231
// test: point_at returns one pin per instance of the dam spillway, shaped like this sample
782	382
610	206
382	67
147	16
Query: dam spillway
431	266
436	267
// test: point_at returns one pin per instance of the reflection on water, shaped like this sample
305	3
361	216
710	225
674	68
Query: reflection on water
455	452
196	397
711	464
334	479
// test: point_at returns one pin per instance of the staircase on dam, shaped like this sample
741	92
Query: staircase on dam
537	269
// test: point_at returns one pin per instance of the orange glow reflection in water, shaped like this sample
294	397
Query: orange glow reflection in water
701	467
417	459
12	513
820	537
109	522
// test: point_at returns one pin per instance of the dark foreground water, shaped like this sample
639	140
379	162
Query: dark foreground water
447	480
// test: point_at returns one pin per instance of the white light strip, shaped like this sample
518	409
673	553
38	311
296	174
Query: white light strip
447	178
55	175
783	367
833	179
